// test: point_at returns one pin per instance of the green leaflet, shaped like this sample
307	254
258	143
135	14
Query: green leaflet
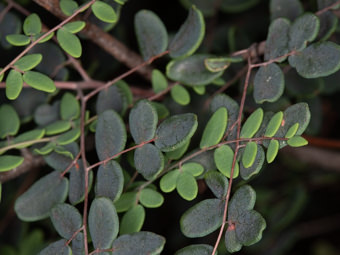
57	127
103	229
223	157
66	219
175	131
169	181
9	162
247	173
292	130
110	134
126	201
151	198
187	186
69	107
9	121
200	220
272	150
217	183
268	84
32	25
274	124
14	83
39	81
109	181
180	95
68	6
191	70
192	168
68	137
75	26
28	62
132	221
190	35
249	154
143	120
304	29
159	81
215	128
104	12
18	40
36	203
151	34
138	243
297	141
58	247
197	249
28	136
317	60
149	161
252	124
69	42
277	39
179	152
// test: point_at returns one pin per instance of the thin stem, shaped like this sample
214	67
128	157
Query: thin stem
71	165
244	95
122	76
27	143
6	10
120	153
318	13
162	93
45	35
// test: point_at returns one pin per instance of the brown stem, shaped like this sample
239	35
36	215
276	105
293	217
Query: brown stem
104	40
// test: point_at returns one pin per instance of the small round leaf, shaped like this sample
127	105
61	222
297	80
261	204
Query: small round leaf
9	162
132	221
249	154
187	186
14	83
104	12
297	141
151	198
18	39
32	25
252	124
274	124
180	95
69	42
28	62
158	80
169	181
272	150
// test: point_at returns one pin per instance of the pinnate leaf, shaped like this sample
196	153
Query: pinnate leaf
9	162
175	131
151	34
14	83
215	128
69	42
37	202
9	121
252	124
66	219
39	81
104	12
103	223
138	243
268	84
200	220
143	120
189	36
110	134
